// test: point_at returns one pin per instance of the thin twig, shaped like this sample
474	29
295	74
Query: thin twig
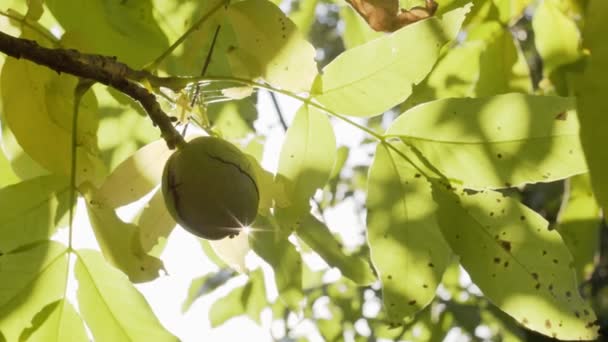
206	64
277	109
183	37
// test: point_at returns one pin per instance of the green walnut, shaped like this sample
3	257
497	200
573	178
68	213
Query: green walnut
209	188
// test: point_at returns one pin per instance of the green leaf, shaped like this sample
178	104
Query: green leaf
125	29
318	237
307	156
591	98
233	251
210	253
502	65
304	15
137	175
190	56
112	308
7	175
32	277
556	36
154	225
60	323
42	125
31	210
249	299
455	75
396	61
203	285
501	141
406	246
119	242
270	46
20	162
269	241
579	224
518	263
356	30
233	119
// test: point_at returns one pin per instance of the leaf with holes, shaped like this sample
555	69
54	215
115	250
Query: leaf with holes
406	246
116	239
511	139
518	263
111	306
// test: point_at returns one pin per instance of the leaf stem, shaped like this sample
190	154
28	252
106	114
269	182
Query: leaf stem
81	88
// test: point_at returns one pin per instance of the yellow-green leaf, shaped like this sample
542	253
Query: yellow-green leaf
270	46
307	156
137	175
61	323
502	65
591	98
111	306
406	246
42	124
31	210
318	237
350	83
32	277
271	243
500	141
126	29
556	36
249	299
579	224
233	251
116	239
154	225
518	263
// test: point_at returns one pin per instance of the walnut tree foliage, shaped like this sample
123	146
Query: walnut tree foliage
484	155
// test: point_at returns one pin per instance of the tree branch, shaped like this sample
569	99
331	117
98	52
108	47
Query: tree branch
103	69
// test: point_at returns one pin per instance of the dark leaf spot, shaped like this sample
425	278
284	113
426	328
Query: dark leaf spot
411	302
506	245
535	275
390	277
548	324
586	312
522	217
425	286
491	213
555	261
550	287
568	294
497	260
561	116
524	321
544	253
578	315
506	264
430	264
537	286
417	175
499	155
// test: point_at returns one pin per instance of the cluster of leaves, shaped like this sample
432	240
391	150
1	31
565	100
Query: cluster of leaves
441	192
